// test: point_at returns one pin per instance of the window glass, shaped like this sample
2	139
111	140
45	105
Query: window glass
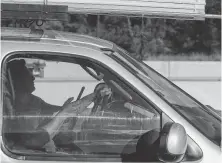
199	116
67	78
41	117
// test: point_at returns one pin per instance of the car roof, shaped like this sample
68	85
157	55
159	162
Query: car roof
54	37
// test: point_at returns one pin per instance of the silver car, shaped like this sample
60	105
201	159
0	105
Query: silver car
141	100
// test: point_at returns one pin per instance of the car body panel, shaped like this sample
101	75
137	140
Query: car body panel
50	36
211	152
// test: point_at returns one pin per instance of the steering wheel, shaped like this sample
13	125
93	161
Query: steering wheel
100	102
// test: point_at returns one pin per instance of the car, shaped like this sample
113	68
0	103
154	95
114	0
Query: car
141	100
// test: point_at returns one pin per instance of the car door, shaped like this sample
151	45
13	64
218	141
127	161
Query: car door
106	133
117	126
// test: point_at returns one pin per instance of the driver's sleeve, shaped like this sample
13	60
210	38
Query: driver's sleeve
37	138
48	109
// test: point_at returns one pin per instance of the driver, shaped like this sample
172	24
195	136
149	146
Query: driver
31	129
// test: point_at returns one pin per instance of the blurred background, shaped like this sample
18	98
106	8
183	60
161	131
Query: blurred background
187	52
151	39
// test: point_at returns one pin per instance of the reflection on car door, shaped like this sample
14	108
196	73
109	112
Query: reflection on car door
109	131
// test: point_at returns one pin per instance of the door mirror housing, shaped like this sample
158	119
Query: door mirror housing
166	145
173	143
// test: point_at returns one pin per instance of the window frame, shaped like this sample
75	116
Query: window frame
65	57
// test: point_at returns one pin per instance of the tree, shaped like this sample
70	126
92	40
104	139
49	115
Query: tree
144	37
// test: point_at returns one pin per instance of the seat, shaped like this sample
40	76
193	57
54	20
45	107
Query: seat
8	97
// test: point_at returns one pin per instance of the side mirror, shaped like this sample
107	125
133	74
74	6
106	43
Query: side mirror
167	145
173	143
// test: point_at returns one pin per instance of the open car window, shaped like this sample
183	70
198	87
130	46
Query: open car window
102	129
108	128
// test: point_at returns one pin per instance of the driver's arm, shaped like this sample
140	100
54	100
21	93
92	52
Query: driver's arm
73	108
46	132
48	109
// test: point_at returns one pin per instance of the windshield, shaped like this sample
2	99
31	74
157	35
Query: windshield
198	115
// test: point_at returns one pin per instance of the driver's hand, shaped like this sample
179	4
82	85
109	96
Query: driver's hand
70	106
68	101
75	107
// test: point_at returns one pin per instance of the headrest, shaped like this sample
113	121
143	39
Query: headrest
16	67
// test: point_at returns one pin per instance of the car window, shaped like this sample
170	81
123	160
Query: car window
98	127
67	78
196	113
